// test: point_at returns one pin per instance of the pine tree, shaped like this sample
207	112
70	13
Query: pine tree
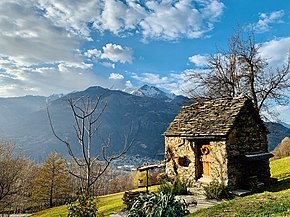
52	184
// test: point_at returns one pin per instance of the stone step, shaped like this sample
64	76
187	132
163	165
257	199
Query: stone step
240	192
188	199
197	192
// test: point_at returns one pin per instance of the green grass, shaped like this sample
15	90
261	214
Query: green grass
275	201
263	204
107	205
280	168
52	212
111	204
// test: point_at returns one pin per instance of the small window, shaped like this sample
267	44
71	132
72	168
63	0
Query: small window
183	161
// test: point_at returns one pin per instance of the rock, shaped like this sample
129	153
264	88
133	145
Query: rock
240	192
120	214
188	199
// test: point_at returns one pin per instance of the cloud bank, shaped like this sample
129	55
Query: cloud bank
41	40
165	19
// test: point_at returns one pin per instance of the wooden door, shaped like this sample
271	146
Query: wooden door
204	160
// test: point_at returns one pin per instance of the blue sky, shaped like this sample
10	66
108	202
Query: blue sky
58	46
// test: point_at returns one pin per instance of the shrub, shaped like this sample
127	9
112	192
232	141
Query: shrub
83	206
178	187
130	197
165	187
161	177
152	205
216	190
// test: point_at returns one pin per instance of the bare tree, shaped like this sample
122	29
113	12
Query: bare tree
12	167
240	70
86	114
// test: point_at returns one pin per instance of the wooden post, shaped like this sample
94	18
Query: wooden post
147	184
148	167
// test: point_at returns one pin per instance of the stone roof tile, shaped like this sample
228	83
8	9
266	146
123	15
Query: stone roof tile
208	118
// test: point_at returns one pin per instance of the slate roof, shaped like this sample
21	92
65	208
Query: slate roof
208	118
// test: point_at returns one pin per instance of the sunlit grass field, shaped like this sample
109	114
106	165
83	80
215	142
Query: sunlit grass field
280	168
107	205
275	201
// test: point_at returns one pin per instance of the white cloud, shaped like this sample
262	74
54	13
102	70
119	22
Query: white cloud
110	54
164	19
283	113
108	65
199	60
61	78
28	38
67	66
72	15
119	16
93	53
129	84
40	40
175	83
263	25
116	76
151	78
171	20
212	10
117	53
276	51
37	57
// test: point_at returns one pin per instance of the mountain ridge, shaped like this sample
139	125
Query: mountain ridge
148	116
154	92
26	123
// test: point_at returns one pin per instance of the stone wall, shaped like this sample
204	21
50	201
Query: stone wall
219	164
178	149
247	136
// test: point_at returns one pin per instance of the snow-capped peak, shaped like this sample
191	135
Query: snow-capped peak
153	92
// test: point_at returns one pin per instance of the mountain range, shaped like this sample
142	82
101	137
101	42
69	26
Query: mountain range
142	114
24	120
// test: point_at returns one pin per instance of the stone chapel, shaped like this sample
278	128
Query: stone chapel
222	139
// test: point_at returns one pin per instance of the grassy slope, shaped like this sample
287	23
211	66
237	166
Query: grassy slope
107	205
53	212
111	204
281	168
275	201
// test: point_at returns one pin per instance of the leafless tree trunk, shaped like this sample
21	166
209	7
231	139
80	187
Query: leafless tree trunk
87	122
241	71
